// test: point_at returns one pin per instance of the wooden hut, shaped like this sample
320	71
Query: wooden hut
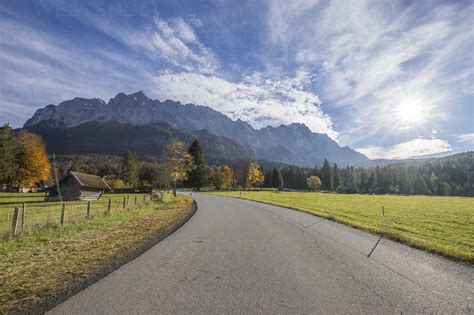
78	186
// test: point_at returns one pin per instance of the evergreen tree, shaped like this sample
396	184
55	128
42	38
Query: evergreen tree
277	179
76	165
268	178
197	176
363	180
10	156
326	176
129	169
336	178
371	183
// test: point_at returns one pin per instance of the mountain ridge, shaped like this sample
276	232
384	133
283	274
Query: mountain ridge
294	143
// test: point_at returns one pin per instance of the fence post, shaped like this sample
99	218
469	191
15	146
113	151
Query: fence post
128	201
135	200
88	209
63	210
23	213
144	199
108	208
15	220
124	202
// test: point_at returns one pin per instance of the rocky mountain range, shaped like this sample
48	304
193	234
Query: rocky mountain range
144	125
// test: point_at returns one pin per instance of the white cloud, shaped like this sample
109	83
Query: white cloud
40	69
405	150
257	100
173	41
372	54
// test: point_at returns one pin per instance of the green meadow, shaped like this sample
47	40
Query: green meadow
443	225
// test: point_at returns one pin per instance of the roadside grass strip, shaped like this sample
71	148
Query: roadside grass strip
40	264
443	225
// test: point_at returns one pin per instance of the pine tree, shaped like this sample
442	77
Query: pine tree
326	176
10	153
267	183
277	179
197	177
76	165
336	177
371	182
129	169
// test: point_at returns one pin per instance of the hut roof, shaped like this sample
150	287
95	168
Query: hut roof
90	181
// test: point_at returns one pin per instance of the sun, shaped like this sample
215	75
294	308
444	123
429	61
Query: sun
410	113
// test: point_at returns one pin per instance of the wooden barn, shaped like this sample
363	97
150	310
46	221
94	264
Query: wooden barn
78	186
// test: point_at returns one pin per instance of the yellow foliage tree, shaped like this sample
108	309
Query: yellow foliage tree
116	183
35	166
255	176
177	162
227	174
221	176
313	182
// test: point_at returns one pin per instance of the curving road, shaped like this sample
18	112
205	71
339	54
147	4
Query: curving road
237	256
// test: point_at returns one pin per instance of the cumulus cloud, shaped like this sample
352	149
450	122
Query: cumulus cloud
257	100
405	150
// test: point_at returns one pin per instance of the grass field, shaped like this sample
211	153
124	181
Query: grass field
40	264
443	225
40	214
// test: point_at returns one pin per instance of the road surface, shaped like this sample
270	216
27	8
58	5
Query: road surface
237	256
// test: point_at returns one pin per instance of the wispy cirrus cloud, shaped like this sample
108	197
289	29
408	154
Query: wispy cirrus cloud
467	138
170	42
39	69
405	150
374	55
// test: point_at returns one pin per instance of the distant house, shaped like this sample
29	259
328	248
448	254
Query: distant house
78	186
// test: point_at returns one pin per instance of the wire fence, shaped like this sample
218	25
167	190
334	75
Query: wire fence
28	214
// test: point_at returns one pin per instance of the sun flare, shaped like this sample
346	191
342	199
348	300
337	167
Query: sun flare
410	113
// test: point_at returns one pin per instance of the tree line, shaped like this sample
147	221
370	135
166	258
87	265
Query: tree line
178	167
449	176
23	163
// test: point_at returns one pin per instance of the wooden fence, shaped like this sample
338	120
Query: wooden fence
19	218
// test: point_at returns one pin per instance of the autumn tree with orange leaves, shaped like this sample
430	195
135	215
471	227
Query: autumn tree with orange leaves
34	166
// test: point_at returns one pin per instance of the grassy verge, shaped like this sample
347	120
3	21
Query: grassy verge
40	264
40	214
444	225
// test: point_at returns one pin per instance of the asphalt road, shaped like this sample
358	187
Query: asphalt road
237	256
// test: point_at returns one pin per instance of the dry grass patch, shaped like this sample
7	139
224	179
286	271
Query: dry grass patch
38	265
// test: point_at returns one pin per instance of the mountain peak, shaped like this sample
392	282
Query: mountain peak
139	94
136	109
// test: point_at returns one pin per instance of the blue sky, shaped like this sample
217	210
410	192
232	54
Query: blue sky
392	79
